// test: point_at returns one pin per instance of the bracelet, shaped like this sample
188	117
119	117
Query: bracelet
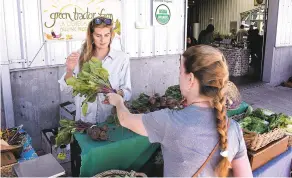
120	92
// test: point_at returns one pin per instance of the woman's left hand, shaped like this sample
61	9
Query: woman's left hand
114	99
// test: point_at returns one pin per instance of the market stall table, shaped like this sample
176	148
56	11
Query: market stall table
125	150
237	60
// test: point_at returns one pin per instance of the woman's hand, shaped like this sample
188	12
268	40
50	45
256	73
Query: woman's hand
128	120
119	92
114	99
72	61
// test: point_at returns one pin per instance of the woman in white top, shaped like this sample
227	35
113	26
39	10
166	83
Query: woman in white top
97	44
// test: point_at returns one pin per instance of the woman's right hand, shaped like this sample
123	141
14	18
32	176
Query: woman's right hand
72	61
114	99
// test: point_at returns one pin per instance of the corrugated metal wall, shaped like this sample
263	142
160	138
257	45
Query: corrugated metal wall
25	37
154	40
278	52
281	68
223	12
284	26
282	65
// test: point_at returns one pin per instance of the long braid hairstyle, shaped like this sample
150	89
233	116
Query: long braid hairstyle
88	46
209	66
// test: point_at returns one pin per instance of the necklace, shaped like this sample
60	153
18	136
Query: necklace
200	102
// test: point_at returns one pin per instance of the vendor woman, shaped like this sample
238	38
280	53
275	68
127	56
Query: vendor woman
98	40
198	140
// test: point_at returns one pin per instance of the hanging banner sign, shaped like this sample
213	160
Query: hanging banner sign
68	19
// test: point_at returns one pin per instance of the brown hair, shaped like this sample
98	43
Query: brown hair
88	47
209	66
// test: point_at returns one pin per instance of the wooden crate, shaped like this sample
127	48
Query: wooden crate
7	171
260	157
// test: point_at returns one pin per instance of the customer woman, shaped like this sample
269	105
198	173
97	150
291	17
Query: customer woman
190	137
98	39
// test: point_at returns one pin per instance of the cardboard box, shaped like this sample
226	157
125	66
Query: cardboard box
16	149
7	158
264	155
48	145
67	111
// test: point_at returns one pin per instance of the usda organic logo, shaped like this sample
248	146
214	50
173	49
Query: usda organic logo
162	14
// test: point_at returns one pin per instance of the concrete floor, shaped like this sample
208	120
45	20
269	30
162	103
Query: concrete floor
261	95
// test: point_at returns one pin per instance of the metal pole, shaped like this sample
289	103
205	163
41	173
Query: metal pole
22	32
5	74
7	96
185	24
1	97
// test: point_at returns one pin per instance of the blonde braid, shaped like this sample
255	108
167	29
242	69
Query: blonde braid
209	66
219	105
